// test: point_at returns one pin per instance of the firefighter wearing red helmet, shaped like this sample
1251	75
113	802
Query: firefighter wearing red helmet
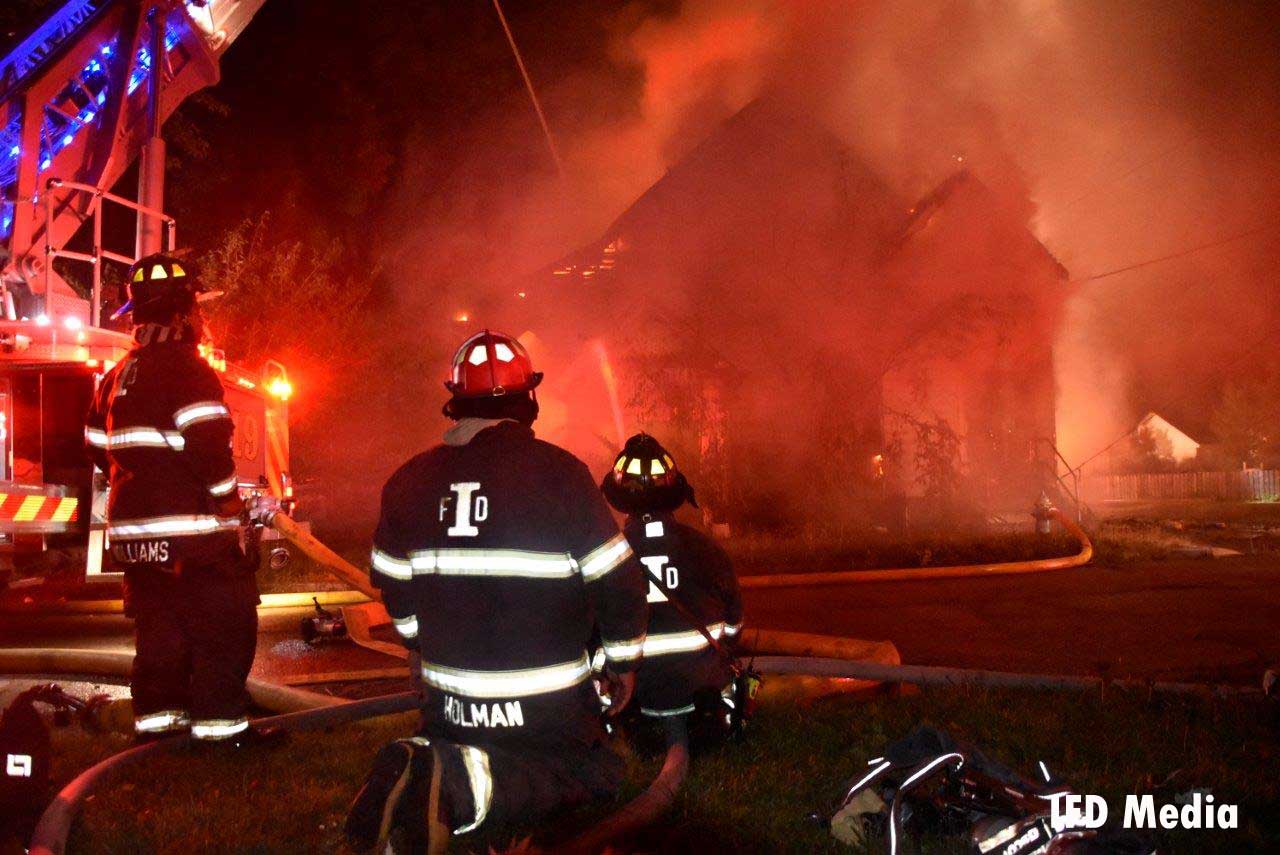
161	431
692	590
496	556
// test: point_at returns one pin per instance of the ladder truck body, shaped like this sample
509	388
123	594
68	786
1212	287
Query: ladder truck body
83	95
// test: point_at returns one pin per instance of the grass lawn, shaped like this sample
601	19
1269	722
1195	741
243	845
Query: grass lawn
744	798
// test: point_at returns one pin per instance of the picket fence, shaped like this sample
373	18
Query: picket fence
1249	485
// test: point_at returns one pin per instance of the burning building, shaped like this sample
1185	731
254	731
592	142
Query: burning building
813	345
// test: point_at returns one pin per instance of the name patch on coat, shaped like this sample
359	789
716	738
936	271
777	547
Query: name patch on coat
470	714
141	552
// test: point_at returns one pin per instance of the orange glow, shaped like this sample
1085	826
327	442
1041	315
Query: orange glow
280	388
462	317
215	357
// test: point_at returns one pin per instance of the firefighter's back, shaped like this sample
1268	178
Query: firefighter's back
160	419
685	564
491	545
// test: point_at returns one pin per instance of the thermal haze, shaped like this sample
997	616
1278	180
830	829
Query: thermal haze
1116	133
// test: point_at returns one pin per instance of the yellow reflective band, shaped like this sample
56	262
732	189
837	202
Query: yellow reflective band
476	761
634	467
143	437
159	722
218	728
158	272
506	684
619	463
406	627
492	562
177	270
652	713
138	274
389	565
27	511
201	412
732	628
95	437
223	488
66	509
671	464
623	651
174	526
655	467
680	642
604	558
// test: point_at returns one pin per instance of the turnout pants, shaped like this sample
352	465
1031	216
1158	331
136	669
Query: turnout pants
196	634
493	786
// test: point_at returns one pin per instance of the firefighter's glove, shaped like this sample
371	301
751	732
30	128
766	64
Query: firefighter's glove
262	509
621	688
229	506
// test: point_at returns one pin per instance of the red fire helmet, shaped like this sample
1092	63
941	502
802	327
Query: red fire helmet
491	363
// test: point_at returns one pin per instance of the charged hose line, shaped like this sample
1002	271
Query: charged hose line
912	574
324	556
50	836
51	833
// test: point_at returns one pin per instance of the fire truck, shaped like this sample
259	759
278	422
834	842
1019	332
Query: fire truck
83	95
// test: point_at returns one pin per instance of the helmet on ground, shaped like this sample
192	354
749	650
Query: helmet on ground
645	479
491	364
160	286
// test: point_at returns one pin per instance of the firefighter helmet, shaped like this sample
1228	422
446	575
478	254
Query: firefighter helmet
491	364
645	479
160	286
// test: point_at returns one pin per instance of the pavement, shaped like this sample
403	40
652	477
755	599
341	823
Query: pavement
282	655
1210	620
1200	620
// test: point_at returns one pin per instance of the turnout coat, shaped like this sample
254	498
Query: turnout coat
160	428
495	559
679	663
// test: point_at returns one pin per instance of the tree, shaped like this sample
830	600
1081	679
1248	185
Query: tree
1247	420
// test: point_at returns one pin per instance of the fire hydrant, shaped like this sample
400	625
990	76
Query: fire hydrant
1044	513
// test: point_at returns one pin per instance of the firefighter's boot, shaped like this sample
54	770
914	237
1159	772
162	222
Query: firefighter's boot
393	805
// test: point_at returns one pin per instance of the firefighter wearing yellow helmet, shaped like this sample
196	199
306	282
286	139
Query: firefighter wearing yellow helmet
161	432
695	609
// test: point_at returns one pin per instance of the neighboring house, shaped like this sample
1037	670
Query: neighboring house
1171	442
803	322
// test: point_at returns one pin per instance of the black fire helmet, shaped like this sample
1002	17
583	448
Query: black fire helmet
160	286
644	479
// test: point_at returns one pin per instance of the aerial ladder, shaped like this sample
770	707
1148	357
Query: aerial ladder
83	95
79	103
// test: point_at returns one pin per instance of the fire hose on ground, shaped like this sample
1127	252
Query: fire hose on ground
912	574
359	581
51	833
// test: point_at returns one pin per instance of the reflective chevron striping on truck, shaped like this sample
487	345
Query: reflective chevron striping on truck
28	512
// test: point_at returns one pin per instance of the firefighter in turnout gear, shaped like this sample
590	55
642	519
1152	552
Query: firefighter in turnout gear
682	671
160	430
496	557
